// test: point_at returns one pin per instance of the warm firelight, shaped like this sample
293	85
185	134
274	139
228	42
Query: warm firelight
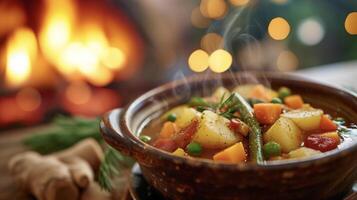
80	49
21	51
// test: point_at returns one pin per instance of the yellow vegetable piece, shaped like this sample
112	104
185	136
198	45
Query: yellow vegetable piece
179	152
307	119
232	154
213	132
302	152
285	133
184	115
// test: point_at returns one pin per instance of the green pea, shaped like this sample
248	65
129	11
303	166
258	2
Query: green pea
171	117
284	92
145	138
271	149
255	101
194	149
277	100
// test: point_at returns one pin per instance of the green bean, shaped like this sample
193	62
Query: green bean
255	134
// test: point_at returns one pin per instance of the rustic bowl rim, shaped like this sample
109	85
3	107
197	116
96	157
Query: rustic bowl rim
197	162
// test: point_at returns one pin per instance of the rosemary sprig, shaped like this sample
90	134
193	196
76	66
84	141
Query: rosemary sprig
108	170
65	132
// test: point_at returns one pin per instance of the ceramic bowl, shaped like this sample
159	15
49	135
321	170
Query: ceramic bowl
325	176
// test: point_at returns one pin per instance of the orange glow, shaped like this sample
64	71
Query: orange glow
28	99
220	61
278	28
84	51
57	27
198	61
351	23
211	42
213	8
20	53
113	58
78	93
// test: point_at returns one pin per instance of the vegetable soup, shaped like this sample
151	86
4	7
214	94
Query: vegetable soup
251	123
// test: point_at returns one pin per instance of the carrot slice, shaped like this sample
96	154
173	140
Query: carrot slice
294	101
327	124
168	130
260	92
333	135
267	113
232	154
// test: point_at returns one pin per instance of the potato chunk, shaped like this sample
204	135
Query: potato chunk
285	133
302	152
184	115
213	132
307	119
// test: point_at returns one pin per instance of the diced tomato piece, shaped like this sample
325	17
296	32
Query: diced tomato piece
321	143
184	136
327	124
234	125
165	144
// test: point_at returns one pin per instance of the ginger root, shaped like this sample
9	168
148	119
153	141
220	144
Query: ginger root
60	175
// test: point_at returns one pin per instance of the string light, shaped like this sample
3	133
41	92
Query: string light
220	61
198	61
214	9
310	32
278	28
351	23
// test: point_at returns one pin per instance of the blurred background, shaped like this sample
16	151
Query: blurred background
84	57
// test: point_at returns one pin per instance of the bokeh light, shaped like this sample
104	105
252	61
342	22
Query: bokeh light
239	2
78	93
278	28
220	61
198	61
214	9
211	42
351	23
198	20
28	99
113	58
287	61
310	32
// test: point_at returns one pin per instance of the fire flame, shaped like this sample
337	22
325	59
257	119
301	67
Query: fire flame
79	50
91	44
20	52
